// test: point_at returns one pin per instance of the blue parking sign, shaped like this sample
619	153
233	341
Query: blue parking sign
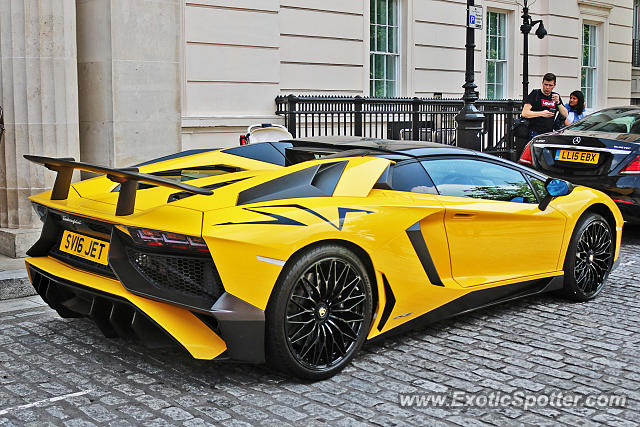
475	17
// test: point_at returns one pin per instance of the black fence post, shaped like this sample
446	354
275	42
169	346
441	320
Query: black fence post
357	117
292	120
1	124
511	142
415	119
489	127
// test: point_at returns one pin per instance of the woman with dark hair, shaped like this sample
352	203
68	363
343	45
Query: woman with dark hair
575	107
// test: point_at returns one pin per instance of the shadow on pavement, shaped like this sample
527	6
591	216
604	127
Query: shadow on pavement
631	234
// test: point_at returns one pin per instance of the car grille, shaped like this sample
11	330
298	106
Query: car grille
194	277
83	226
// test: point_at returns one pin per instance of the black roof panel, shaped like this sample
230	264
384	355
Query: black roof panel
412	148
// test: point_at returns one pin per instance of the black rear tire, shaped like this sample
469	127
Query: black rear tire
319	314
589	258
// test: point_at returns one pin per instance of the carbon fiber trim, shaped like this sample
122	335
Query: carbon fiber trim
389	304
420	246
113	315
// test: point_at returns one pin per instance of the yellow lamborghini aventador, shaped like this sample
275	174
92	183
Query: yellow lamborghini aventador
296	252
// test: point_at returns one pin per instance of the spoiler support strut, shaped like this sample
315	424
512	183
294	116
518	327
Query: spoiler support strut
63	180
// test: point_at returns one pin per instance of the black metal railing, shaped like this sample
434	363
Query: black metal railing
635	57
418	119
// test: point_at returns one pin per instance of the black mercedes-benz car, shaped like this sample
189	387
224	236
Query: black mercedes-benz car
601	151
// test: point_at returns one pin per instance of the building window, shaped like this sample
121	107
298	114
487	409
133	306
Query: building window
589	55
496	55
385	52
636	34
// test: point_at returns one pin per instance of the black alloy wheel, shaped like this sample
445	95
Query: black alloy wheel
325	313
589	258
320	315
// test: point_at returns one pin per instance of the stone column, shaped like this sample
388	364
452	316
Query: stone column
38	91
129	79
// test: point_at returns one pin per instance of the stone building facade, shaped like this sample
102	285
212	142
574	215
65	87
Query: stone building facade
114	81
262	48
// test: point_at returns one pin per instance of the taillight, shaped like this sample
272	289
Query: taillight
633	168
526	155
168	240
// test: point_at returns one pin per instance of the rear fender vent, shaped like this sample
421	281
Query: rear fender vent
327	177
315	181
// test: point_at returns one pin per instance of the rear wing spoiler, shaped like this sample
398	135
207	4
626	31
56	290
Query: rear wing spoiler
128	179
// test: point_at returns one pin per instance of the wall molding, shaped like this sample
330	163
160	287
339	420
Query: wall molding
595	8
229	121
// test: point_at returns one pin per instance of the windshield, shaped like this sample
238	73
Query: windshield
617	120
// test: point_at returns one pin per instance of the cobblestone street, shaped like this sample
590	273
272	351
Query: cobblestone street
65	372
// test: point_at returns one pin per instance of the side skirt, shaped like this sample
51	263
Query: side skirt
480	299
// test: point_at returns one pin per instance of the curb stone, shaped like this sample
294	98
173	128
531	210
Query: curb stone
15	284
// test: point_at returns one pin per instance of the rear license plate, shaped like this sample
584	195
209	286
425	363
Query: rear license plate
577	156
85	247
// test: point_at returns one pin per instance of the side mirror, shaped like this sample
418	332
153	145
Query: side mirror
558	187
555	188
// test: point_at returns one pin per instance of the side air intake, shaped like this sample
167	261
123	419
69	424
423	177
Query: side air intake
315	181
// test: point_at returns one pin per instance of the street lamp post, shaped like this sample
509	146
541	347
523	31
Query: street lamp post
525	28
470	120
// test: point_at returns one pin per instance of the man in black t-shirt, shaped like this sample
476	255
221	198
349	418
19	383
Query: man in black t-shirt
541	106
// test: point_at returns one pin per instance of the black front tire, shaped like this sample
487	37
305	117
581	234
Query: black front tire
319	314
589	258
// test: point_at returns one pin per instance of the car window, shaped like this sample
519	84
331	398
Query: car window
479	179
412	177
270	152
538	187
621	120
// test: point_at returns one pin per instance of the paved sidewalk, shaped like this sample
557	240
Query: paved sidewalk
14	282
7	263
20	304
63	372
